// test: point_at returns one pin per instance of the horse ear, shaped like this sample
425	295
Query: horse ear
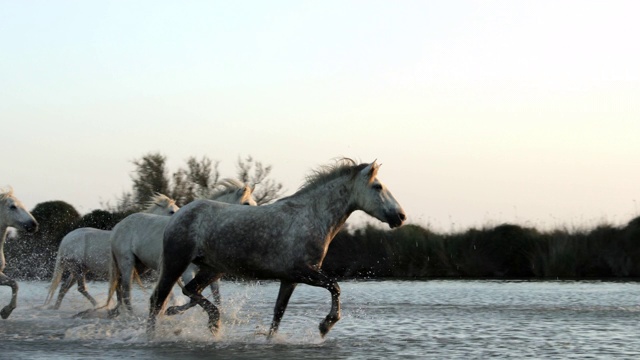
371	170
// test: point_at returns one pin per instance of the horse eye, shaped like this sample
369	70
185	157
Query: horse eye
377	187
13	207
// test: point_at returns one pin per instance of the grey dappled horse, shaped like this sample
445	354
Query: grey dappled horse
285	240
12	214
136	243
88	250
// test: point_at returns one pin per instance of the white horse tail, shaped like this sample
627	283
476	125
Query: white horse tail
57	277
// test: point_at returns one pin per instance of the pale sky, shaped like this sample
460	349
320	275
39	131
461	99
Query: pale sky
481	112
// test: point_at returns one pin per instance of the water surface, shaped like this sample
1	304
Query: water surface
381	319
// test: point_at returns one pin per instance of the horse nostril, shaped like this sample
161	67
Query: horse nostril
402	216
31	226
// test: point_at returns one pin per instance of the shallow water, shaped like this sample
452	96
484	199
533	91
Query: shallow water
380	319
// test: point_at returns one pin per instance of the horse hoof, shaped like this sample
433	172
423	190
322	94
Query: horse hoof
6	311
324	327
214	328
113	313
84	314
172	311
270	333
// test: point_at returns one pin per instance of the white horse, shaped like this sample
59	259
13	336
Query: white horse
285	240
12	214
88	250
136	243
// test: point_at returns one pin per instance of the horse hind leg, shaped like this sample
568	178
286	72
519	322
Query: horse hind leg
82	289
64	288
7	310
128	269
169	275
118	268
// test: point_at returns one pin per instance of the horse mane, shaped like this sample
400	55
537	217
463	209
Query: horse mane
159	200
228	186
6	193
325	173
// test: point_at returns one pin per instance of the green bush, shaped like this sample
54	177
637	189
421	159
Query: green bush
32	256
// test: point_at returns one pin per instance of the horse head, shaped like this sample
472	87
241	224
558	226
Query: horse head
161	204
246	196
374	198
14	214
234	192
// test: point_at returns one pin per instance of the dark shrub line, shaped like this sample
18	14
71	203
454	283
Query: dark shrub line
411	251
502	252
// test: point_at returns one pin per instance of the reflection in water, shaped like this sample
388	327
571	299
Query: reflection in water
441	319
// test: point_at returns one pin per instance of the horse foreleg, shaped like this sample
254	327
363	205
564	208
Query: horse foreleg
316	278
215	291
82	288
197	288
4	280
66	285
194	289
284	294
334	314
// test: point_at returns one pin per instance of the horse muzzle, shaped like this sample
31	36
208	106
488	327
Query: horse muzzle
395	219
30	226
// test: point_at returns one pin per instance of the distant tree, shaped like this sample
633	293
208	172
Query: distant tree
150	177
256	175
197	180
124	204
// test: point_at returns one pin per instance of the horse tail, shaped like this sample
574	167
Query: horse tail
136	277
57	277
114	277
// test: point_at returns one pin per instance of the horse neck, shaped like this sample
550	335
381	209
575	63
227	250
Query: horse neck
329	205
229	198
155	211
